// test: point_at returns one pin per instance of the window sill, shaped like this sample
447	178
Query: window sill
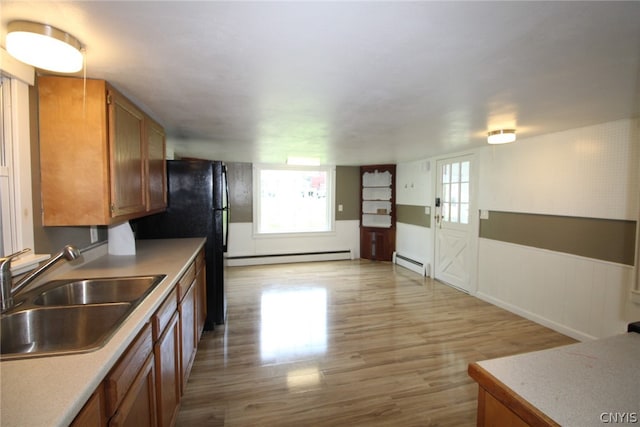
27	262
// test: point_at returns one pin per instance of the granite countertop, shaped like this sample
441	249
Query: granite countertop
50	391
584	384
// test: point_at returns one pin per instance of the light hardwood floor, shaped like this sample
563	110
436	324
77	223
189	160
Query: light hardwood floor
348	343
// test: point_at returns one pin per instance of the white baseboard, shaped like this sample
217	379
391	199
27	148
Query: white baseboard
580	336
243	260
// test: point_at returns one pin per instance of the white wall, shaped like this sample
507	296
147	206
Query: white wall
244	243
414	186
587	172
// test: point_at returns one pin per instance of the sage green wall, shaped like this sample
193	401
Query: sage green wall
605	239
348	193
240	182
414	215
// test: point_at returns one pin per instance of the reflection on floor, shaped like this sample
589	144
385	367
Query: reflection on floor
293	323
348	343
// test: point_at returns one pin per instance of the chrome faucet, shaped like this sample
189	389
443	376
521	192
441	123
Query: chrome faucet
7	290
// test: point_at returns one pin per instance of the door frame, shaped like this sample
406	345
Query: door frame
474	218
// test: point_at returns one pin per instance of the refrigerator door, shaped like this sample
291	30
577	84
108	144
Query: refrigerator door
191	212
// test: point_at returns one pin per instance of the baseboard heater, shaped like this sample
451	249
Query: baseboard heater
411	264
239	260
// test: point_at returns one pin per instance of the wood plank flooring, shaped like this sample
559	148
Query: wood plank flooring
348	343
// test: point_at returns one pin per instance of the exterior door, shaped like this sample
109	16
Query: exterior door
455	223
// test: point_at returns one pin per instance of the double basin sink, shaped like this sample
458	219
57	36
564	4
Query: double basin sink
70	316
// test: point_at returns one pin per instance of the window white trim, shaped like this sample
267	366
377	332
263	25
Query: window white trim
330	186
19	153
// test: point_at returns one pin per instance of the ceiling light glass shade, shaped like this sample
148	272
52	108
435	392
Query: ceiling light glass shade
44	46
502	136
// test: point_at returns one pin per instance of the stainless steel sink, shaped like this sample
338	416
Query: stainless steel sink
49	331
96	291
70	316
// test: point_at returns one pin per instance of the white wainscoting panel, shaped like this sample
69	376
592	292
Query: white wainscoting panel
242	242
414	242
580	297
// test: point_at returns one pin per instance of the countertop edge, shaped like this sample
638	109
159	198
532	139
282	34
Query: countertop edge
75	377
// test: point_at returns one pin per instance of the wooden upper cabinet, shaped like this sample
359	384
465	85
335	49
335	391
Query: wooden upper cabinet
99	154
127	151
156	167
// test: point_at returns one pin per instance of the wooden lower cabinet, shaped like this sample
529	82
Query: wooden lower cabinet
499	406
189	342
168	374
130	386
201	298
377	243
492	413
93	412
138	408
145	386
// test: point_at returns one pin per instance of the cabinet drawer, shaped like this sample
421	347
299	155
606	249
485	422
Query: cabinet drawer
162	317
121	377
186	280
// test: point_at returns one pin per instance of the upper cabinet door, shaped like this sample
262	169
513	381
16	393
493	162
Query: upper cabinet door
157	167
126	127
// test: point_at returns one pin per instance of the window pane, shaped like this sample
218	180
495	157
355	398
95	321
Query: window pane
293	201
454	212
445	211
455	172
464	173
446	197
464	192
464	213
455	191
445	174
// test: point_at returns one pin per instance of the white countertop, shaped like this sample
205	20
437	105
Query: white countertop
577	384
50	391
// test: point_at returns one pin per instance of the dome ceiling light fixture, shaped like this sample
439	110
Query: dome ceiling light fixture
501	136
44	46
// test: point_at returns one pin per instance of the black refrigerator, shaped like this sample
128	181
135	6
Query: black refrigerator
197	206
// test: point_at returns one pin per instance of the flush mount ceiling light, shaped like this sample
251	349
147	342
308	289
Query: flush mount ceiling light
502	136
44	46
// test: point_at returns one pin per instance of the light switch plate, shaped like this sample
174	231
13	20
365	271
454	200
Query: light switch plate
427	210
484	214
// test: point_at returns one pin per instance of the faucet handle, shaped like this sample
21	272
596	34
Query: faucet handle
5	262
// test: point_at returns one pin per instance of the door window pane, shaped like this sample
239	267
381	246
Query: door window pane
455	192
455	172
464	213
464	192
454	212
464	174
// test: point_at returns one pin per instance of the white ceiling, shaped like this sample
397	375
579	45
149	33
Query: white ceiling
356	82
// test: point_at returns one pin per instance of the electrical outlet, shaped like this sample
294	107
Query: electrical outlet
93	231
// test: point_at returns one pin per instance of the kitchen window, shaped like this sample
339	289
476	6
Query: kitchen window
16	216
293	199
